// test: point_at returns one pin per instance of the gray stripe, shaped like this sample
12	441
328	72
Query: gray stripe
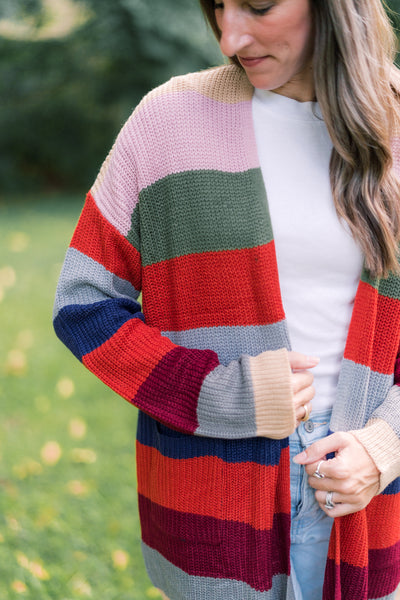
178	585
85	281
231	342
226	401
360	393
390	597
225	407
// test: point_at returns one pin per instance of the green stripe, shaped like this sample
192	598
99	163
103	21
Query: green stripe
390	287
200	211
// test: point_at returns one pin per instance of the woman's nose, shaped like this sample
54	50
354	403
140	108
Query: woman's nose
234	33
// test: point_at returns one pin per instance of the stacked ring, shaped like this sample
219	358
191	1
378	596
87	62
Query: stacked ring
329	503
317	472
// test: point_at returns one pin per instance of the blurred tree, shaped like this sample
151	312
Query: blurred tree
63	99
71	71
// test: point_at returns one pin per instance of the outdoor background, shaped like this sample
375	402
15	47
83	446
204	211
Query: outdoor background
70	74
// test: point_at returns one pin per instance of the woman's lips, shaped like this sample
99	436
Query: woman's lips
251	62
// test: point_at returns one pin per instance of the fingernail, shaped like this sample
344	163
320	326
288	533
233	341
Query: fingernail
313	360
299	457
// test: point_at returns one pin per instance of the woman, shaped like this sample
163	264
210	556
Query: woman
179	212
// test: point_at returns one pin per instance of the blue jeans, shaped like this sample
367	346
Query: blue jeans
311	527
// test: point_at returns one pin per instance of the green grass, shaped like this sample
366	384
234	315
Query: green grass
68	510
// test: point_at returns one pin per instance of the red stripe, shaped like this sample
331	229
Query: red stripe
95	237
125	360
373	339
349	540
383	514
206	485
375	529
232	288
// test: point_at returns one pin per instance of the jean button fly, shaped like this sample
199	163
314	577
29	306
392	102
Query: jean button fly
309	426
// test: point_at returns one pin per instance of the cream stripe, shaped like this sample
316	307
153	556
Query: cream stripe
228	84
273	394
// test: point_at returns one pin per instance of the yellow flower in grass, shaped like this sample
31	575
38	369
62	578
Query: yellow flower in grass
26	468
34	568
51	453
78	488
77	428
65	387
8	277
83	455
80	586
19	587
16	362
120	559
13	524
19	241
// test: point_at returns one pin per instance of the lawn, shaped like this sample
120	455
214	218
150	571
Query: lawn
68	514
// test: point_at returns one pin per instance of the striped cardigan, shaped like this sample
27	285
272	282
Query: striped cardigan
179	214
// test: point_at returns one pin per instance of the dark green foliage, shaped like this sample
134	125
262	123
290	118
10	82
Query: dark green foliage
63	100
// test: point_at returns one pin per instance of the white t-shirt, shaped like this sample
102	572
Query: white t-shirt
319	263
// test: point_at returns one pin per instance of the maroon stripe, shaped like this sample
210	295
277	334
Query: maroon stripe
208	547
379	580
176	381
384	571
345	582
381	558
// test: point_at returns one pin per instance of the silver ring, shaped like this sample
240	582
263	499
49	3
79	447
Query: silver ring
317	471
329	503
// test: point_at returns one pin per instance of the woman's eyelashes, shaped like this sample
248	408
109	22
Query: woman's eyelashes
255	10
260	11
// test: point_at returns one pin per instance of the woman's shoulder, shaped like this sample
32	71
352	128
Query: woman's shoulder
227	84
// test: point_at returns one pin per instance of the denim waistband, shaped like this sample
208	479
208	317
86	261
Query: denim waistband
314	429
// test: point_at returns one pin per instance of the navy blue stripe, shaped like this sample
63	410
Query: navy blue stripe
85	327
392	488
173	444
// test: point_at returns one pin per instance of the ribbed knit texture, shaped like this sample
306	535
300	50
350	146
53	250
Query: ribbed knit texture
179	213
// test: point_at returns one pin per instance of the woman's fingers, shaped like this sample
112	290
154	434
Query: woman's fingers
299	361
302	383
342	504
350	479
302	380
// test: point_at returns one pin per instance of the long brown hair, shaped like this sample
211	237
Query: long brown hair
358	87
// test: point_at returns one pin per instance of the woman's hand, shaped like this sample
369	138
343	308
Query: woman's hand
352	475
302	383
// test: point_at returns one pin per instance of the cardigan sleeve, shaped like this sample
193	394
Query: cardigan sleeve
381	434
98	316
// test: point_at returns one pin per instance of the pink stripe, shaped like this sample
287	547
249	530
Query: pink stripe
175	132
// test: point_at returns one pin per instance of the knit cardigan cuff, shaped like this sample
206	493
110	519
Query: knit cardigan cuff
272	386
383	446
